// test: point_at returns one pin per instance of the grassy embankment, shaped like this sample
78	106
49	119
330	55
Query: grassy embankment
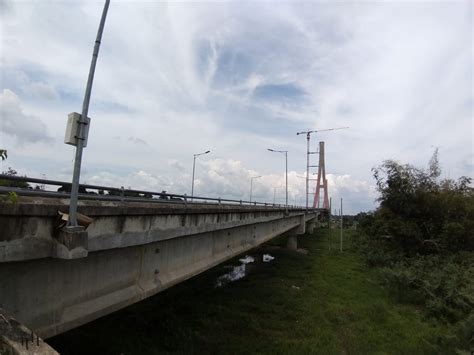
325	302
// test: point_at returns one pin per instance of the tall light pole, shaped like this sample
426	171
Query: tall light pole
308	138
341	226
251	184
194	169
286	169
72	220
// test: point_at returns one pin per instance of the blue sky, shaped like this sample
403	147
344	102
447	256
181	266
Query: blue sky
174	79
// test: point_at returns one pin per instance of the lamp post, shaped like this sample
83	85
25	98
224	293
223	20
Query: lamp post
286	169
274	192
194	169
251	184
82	122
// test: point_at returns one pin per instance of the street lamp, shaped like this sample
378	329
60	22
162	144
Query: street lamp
286	168
251	184
194	169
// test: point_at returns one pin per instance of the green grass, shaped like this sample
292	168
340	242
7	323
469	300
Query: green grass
325	302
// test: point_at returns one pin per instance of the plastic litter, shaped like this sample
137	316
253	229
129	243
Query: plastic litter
247	260
237	273
267	258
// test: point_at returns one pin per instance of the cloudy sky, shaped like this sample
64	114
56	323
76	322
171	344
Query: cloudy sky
178	78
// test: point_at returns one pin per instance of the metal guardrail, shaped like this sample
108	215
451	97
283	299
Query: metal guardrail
108	193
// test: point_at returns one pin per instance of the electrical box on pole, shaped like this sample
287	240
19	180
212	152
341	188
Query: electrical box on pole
72	129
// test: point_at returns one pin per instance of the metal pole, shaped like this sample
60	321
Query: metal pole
274	193
72	221
286	168
251	182
192	185
194	168
330	212
308	137
329	224
341	223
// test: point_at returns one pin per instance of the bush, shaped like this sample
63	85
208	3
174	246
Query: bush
11	183
422	238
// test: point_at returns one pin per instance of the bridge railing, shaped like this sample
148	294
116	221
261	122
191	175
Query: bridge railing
96	192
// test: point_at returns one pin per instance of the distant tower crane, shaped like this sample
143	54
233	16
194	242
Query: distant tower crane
308	152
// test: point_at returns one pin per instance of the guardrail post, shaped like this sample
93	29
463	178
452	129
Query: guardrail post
122	193
185	200
219	201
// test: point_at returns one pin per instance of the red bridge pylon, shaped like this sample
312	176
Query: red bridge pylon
321	181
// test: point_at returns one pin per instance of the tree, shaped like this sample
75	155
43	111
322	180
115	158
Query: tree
12	183
434	169
420	213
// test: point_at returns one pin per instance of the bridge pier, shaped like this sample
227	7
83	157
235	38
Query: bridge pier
292	242
312	226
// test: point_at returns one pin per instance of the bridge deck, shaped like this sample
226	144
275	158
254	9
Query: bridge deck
53	282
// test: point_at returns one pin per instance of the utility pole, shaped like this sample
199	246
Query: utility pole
308	138
330	212
341	223
72	220
329	223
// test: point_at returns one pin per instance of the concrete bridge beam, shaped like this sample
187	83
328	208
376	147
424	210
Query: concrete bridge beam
132	251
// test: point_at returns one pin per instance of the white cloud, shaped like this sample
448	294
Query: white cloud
237	78
137	140
40	90
26	128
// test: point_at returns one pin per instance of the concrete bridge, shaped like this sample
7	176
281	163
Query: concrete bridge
52	281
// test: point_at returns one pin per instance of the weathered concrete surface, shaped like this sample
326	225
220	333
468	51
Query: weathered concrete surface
16	339
134	251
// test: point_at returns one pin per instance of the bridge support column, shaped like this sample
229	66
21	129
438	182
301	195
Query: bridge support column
292	242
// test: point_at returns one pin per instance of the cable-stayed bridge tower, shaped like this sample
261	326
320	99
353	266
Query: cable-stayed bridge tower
321	182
